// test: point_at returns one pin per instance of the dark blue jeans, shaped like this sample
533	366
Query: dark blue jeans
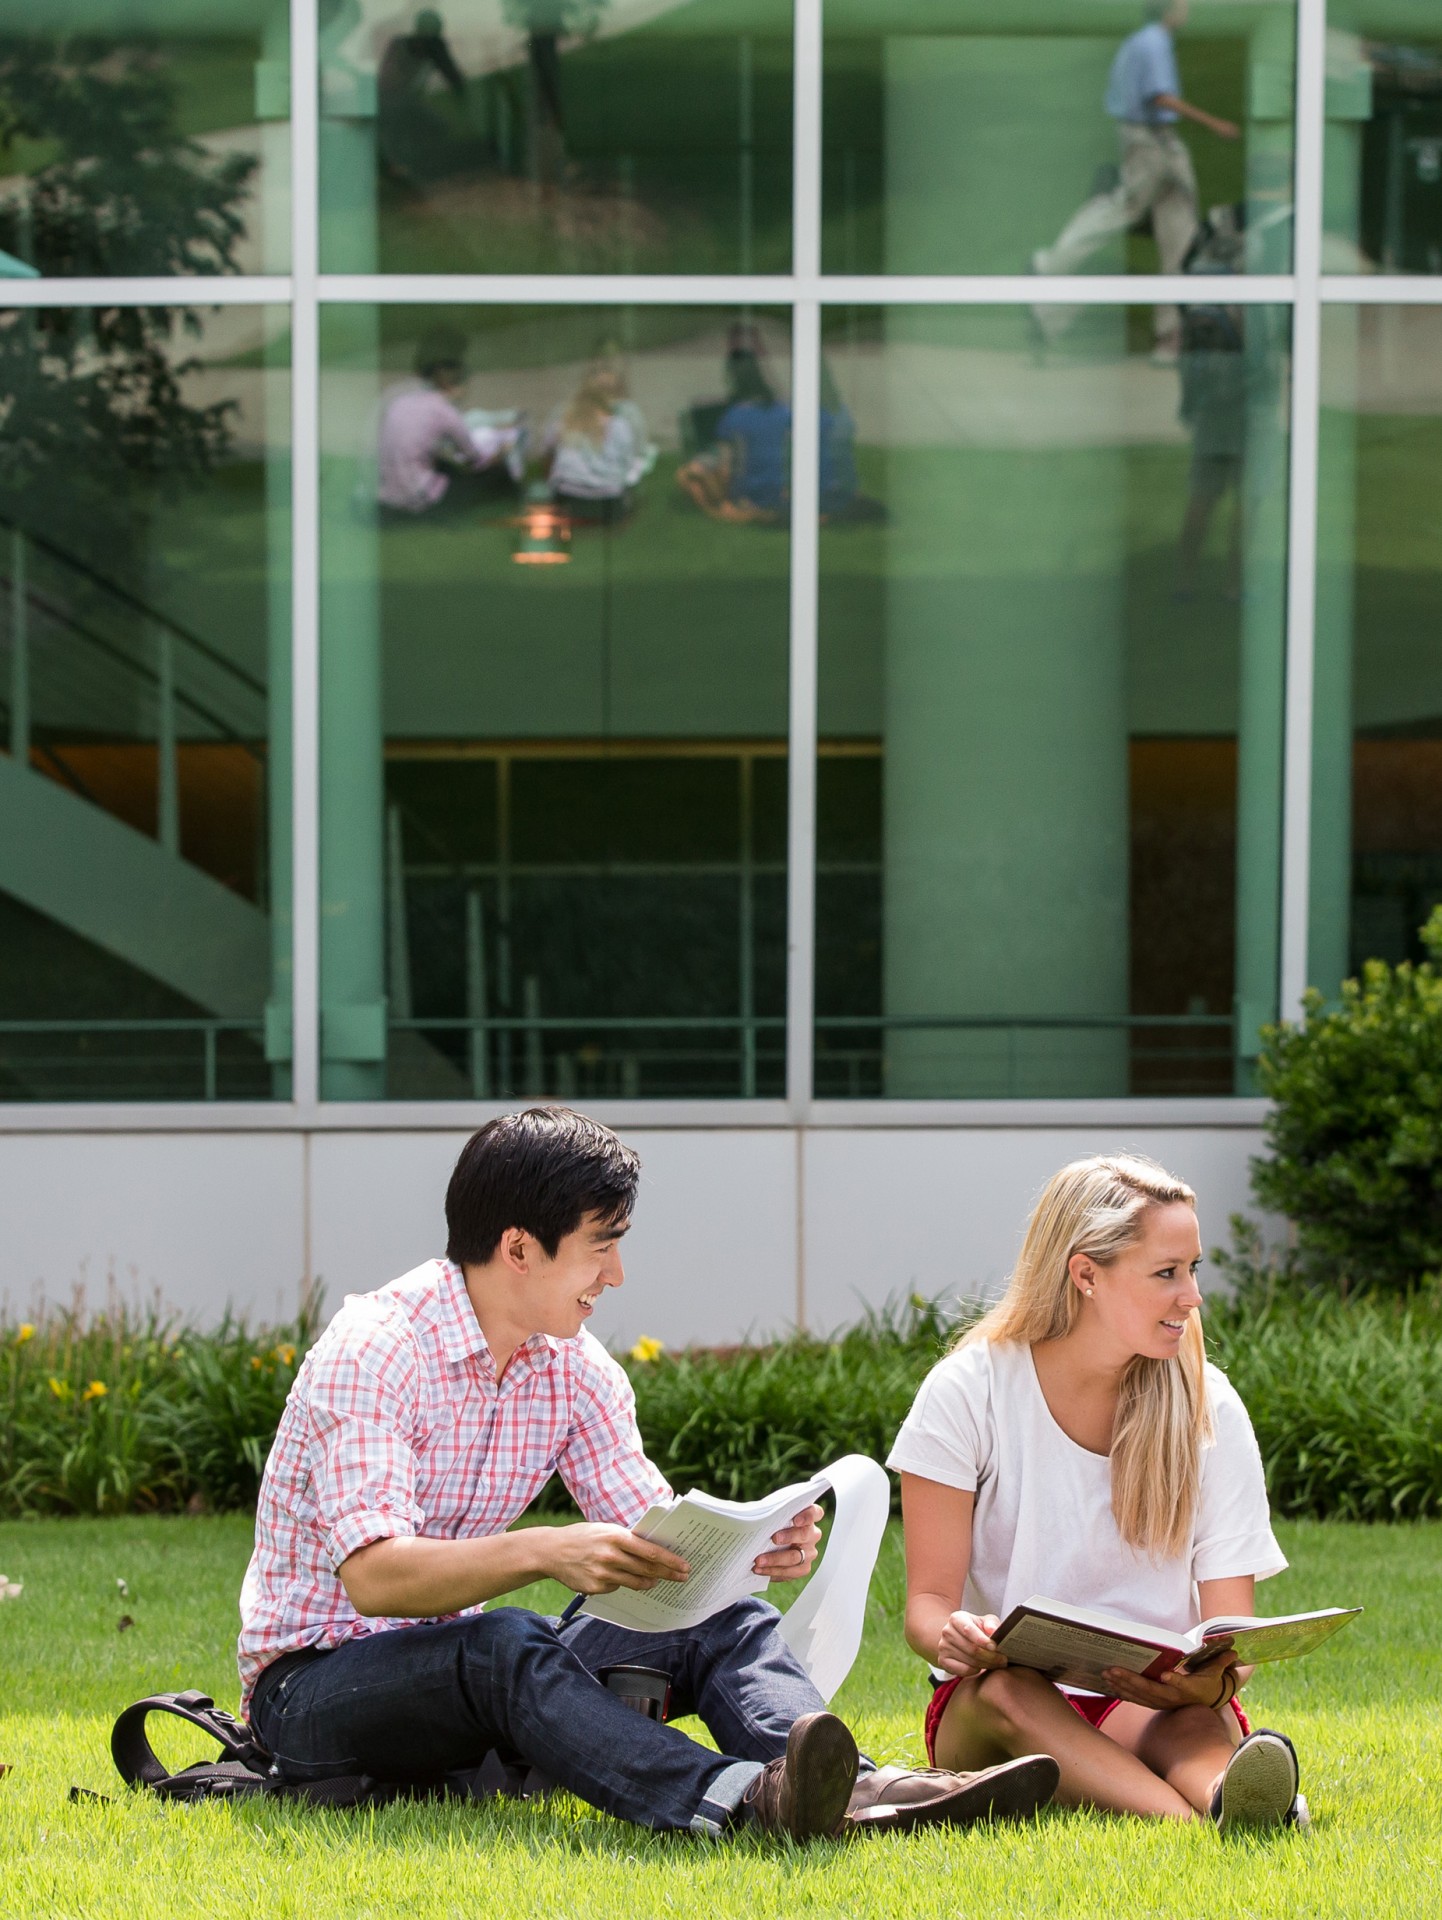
415	1702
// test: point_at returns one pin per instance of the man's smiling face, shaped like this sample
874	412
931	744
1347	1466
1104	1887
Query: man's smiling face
558	1294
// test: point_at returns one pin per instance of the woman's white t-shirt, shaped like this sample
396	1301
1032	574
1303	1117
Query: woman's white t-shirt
1043	1522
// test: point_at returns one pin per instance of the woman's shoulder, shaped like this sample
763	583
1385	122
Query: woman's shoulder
1227	1407
970	1371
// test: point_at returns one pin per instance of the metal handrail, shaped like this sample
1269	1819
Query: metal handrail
135	667
137	605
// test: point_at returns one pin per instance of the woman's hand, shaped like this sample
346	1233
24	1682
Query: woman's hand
966	1647
1212	1685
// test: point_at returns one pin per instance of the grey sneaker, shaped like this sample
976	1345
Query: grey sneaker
897	1799
805	1794
1259	1786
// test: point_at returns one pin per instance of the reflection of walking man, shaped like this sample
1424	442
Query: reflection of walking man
1144	97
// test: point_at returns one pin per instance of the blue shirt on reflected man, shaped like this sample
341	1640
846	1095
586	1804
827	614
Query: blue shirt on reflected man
1146	65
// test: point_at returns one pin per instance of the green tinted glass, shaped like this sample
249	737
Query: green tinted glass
557	136
554	702
145	820
144	137
1377	714
1052	627
1015	136
1382	188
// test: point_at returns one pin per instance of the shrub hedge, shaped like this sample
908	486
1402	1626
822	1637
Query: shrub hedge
1355	1126
131	1413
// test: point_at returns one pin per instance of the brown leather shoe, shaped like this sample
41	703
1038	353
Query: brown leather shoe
896	1799
806	1793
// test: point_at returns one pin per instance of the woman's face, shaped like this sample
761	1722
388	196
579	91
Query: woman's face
1143	1300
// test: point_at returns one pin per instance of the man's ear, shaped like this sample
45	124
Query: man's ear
513	1250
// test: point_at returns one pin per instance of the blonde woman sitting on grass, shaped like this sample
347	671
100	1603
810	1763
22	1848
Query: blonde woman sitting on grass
1076	1443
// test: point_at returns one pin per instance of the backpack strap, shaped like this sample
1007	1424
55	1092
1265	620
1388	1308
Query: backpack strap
135	1758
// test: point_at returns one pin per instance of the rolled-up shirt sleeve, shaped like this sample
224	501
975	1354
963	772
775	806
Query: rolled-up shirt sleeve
1234	1526
602	1461
361	1402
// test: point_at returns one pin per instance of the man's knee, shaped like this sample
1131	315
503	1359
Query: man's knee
509	1636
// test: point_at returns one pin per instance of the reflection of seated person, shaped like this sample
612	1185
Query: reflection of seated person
745	478
599	447
430	453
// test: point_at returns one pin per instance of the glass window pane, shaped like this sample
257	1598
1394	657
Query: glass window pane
1052	626
1382	195
554	701
557	136
145	798
1377	722
1007	136
144	137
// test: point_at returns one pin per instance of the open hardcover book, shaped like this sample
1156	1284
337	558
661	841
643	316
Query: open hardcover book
1075	1645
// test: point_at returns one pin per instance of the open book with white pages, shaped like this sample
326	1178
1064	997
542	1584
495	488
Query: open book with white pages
721	1539
1075	1645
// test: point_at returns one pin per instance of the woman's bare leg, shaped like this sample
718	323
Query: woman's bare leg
1014	1711
1188	1748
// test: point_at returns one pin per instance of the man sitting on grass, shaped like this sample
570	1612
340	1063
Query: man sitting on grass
425	1420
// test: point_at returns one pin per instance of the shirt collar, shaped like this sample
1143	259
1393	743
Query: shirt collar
460	1330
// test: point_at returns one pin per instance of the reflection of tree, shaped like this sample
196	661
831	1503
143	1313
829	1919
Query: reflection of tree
126	191
546	23
91	406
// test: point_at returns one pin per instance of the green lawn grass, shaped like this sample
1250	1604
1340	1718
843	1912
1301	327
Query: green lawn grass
1363	1713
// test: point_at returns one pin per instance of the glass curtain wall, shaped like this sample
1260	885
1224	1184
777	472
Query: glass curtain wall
145	829
556	547
554	701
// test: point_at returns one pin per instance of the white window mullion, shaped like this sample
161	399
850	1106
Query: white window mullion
305	562
1302	514
805	507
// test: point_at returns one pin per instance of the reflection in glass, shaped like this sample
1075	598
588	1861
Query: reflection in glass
1382	199
981	136
1050	705
553	702
145	794
144	137
556	136
1377	717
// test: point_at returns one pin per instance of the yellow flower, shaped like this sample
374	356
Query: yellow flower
647	1349
60	1388
255	1363
97	1390
27	1332
286	1355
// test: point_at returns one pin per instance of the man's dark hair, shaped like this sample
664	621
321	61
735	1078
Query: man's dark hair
544	1171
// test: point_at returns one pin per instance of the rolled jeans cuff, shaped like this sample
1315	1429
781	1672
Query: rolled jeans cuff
718	1810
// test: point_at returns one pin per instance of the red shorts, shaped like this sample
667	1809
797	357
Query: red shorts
1093	1707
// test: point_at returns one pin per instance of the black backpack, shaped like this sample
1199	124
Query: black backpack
243	1766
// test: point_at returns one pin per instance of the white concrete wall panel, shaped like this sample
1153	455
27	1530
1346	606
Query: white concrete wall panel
890	1211
215	1220
206	1220
711	1257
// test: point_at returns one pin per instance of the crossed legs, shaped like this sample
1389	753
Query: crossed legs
1162	1764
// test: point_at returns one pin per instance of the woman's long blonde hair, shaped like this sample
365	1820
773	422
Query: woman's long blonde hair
1098	1207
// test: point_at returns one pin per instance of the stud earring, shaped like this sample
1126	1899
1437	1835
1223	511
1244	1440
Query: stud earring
1090	1292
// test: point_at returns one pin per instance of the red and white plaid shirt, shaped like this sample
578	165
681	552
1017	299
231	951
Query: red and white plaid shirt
396	1424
